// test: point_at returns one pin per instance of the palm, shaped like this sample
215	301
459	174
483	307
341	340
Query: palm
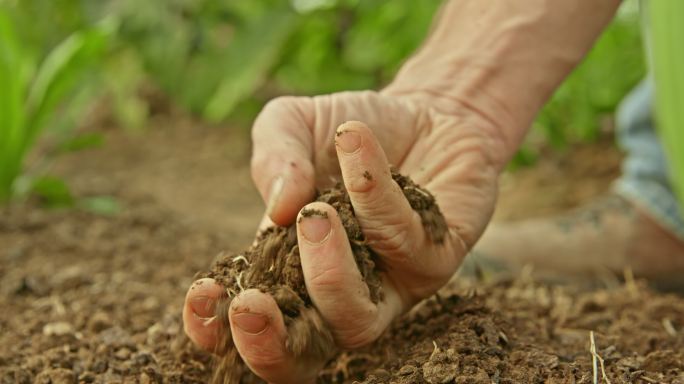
295	151
442	153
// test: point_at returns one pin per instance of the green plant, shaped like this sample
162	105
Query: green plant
596	87
666	20
33	91
223	59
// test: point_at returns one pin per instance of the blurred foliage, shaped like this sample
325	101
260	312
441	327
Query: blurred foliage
211	56
665	19
593	91
223	59
33	89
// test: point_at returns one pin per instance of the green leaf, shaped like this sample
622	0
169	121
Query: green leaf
81	142
14	73
59	72
248	59
101	205
53	192
666	19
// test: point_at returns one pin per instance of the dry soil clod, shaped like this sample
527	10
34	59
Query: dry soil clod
272	265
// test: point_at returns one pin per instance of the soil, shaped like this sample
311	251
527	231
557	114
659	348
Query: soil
92	298
272	265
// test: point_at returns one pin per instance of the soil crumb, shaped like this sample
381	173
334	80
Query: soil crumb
98	299
272	265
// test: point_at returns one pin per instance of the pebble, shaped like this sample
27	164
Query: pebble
59	328
407	370
99	321
123	354
381	374
56	376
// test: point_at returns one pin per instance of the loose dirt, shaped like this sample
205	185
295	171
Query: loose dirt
97	299
273	265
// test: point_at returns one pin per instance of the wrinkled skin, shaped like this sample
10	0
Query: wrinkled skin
303	143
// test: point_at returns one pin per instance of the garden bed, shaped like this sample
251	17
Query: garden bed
92	298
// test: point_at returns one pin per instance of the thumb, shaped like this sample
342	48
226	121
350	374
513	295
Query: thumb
282	167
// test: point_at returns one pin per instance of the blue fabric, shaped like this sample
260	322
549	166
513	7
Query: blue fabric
645	179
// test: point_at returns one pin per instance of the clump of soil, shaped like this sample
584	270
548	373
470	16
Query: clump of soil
272	265
97	299
521	331
92	299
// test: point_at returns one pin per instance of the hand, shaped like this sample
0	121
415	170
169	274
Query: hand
303	143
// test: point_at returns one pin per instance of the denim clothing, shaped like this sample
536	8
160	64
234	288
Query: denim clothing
645	179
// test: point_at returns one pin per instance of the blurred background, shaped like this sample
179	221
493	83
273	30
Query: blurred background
125	146
70	67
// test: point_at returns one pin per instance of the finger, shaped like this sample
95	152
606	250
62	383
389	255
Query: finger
389	223
199	320
259	334
281	161
333	279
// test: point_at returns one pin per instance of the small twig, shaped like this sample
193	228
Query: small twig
241	258
434	351
238	280
629	281
419	190
596	358
503	337
669	328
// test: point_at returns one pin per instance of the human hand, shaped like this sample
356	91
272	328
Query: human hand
303	143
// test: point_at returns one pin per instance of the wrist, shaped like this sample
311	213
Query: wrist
501	61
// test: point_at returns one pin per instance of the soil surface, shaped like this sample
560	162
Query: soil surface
273	265
92	298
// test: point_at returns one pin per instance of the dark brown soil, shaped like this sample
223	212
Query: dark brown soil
523	332
88	298
273	265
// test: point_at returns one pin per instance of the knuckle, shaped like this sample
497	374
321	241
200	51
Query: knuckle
278	104
362	183
264	358
259	164
390	239
327	281
259	160
362	333
373	195
274	108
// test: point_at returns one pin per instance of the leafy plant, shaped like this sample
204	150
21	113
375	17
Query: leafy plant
665	20
224	59
34	90
596	87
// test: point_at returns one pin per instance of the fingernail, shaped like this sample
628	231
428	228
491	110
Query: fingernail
274	195
251	323
348	141
314	225
203	306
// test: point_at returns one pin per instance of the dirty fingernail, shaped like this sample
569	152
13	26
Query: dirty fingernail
314	225
203	306
274	195
348	141
251	323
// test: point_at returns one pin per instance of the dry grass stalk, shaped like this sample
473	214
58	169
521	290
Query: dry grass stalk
630	283
669	328
596	358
